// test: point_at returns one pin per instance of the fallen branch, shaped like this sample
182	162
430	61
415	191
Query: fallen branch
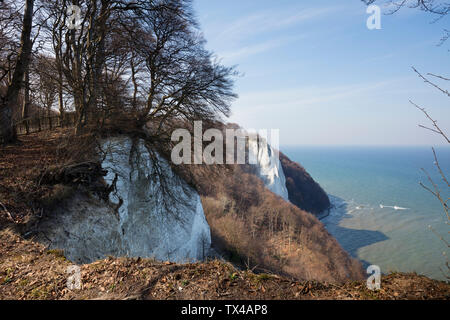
7	212
78	173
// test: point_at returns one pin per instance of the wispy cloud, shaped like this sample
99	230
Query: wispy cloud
239	39
304	97
250	50
266	21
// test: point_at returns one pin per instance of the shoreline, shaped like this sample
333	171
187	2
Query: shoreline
324	213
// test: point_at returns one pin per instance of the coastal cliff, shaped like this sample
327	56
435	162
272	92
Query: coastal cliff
303	191
268	168
249	225
289	180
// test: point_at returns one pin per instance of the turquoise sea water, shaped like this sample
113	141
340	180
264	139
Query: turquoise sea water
359	180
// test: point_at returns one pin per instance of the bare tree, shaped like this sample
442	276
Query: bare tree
140	60
169	73
46	86
10	99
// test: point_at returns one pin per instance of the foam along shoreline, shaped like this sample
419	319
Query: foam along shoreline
323	214
396	208
335	205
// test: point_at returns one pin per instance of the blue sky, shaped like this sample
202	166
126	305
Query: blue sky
315	71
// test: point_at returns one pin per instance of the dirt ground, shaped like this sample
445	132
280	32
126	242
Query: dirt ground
29	271
21	165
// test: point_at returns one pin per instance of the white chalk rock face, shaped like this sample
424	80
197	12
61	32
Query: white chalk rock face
269	167
152	213
161	216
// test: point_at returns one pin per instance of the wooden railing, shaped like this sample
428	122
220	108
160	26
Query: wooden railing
123	120
38	124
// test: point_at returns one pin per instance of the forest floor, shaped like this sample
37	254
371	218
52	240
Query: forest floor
28	270
21	166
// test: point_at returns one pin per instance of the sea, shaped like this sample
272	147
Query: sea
380	213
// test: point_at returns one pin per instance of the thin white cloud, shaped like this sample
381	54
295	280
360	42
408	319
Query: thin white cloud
308	96
265	21
246	51
235	38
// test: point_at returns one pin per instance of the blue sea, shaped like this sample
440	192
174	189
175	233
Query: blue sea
365	184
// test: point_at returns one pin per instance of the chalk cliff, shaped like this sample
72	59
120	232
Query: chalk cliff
151	213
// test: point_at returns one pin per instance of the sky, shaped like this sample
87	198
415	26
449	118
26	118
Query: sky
313	70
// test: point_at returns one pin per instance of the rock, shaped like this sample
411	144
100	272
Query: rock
152	212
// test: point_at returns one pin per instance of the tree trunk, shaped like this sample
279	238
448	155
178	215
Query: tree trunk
50	124
6	125
26	103
60	97
7	129
79	113
39	121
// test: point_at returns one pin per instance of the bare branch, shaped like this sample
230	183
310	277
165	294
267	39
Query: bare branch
436	192
434	122
436	163
444	91
437	76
